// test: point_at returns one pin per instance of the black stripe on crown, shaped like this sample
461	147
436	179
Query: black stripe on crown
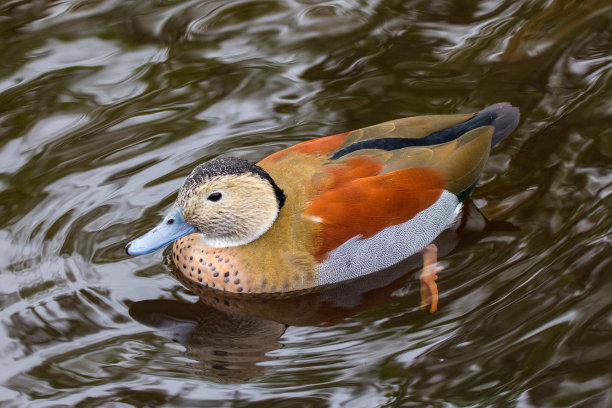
224	166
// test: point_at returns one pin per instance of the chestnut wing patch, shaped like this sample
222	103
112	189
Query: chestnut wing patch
319	146
364	206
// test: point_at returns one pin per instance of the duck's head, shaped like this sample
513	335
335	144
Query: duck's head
228	201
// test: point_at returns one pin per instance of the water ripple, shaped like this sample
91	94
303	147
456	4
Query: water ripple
105	106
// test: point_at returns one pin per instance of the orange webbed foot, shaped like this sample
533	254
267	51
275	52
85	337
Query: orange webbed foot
429	289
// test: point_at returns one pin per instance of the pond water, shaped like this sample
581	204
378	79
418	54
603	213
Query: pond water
107	105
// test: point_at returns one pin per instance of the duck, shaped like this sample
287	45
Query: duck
331	209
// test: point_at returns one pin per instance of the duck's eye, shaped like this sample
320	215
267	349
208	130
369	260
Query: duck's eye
216	196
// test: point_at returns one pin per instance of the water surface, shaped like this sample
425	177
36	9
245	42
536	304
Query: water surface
105	107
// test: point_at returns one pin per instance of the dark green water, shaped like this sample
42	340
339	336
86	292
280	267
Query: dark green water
105	106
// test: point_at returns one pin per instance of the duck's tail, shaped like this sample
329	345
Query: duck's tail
502	116
505	118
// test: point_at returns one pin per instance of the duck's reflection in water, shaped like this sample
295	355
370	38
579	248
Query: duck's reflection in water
226	346
230	333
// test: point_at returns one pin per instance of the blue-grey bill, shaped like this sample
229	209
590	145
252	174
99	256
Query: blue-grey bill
170	229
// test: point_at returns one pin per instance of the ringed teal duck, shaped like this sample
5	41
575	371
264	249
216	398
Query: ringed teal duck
329	209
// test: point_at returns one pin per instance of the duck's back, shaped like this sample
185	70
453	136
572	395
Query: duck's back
369	198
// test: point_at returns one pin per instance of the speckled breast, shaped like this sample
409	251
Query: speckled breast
218	268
